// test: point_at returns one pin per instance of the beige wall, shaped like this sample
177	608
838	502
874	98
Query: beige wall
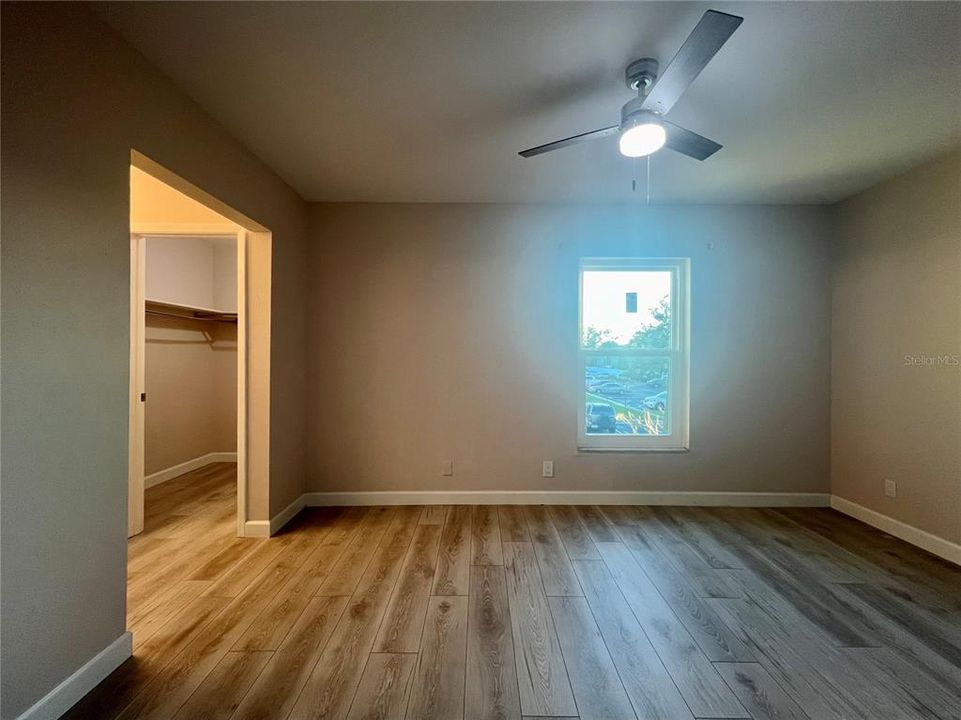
897	296
76	99
450	331
191	381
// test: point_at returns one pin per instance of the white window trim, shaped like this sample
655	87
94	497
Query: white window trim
679	353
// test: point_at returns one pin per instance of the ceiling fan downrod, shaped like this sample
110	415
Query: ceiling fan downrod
641	75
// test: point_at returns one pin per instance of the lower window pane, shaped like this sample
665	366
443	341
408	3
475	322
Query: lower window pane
627	396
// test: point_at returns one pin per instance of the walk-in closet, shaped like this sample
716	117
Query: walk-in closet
185	266
190	353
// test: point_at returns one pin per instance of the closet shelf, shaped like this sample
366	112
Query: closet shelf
188	312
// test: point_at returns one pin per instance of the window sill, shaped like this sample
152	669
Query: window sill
665	449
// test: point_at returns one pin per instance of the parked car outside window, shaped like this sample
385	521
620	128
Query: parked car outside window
600	418
610	388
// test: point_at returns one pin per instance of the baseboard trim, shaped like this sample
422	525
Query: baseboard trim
910	534
63	697
257	528
287	514
196	463
265	528
573	497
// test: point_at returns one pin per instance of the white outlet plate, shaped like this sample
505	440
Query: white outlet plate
547	468
891	488
448	468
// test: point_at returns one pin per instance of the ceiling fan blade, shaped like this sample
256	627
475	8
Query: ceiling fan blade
689	143
707	37
573	140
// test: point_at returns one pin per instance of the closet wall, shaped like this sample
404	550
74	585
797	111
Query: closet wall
190	365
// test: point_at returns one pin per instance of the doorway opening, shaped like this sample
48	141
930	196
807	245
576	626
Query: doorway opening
199	364
187	362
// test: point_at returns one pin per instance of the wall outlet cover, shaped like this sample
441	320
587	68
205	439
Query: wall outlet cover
448	468
547	469
891	488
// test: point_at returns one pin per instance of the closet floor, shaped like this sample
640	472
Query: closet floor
504	612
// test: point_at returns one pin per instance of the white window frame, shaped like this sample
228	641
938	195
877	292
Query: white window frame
679	355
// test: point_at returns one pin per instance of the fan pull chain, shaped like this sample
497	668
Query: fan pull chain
648	179
647	188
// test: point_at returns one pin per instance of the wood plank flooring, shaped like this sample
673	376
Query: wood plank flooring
504	613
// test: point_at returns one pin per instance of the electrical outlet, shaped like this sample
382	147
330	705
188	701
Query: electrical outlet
448	468
891	488
547	468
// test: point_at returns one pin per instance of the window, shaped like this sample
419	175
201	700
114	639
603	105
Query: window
634	354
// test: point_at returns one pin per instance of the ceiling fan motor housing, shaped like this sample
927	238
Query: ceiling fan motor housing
641	74
633	114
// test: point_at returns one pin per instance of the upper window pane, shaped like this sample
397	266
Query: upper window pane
626	309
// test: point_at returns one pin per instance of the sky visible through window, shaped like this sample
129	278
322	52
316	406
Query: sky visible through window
605	300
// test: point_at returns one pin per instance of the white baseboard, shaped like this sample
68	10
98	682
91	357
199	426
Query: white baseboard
257	528
572	497
264	528
287	514
63	697
910	534
185	467
938	546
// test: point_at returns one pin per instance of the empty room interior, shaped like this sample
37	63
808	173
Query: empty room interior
480	360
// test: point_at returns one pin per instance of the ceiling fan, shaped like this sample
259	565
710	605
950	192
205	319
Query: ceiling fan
643	129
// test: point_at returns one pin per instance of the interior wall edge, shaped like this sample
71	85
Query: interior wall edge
55	703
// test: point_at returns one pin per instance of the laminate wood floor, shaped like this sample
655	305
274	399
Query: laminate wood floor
509	612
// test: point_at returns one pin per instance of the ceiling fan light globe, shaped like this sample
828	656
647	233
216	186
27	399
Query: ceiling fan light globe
642	139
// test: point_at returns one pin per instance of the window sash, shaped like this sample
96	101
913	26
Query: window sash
678	356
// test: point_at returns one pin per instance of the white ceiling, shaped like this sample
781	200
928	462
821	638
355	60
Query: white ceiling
430	102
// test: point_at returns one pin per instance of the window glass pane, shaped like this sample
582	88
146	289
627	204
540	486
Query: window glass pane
626	308
627	396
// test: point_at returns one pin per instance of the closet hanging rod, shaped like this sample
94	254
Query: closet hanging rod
205	318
